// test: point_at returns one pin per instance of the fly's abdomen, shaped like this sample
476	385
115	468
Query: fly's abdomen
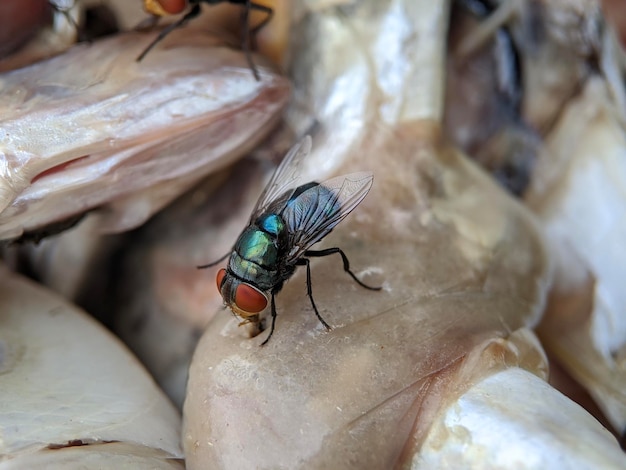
310	206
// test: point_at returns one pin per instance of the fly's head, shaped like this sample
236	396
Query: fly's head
164	7
242	298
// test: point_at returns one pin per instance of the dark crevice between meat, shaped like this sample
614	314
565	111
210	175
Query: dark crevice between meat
483	117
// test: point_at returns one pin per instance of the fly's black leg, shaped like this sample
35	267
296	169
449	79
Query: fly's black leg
193	13
204	266
262	8
249	33
273	307
346	263
309	290
245	45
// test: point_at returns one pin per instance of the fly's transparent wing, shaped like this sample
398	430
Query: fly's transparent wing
312	214
285	177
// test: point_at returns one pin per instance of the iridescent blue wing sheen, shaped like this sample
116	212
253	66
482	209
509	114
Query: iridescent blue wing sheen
285	178
311	215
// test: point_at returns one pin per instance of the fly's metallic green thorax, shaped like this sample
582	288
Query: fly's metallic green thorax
256	255
257	246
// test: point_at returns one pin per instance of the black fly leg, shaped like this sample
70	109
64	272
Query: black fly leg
204	266
273	308
262	8
246	43
309	290
194	12
346	263
250	33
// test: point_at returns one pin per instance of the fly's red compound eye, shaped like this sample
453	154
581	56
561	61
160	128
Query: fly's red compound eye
220	278
164	7
249	299
173	7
